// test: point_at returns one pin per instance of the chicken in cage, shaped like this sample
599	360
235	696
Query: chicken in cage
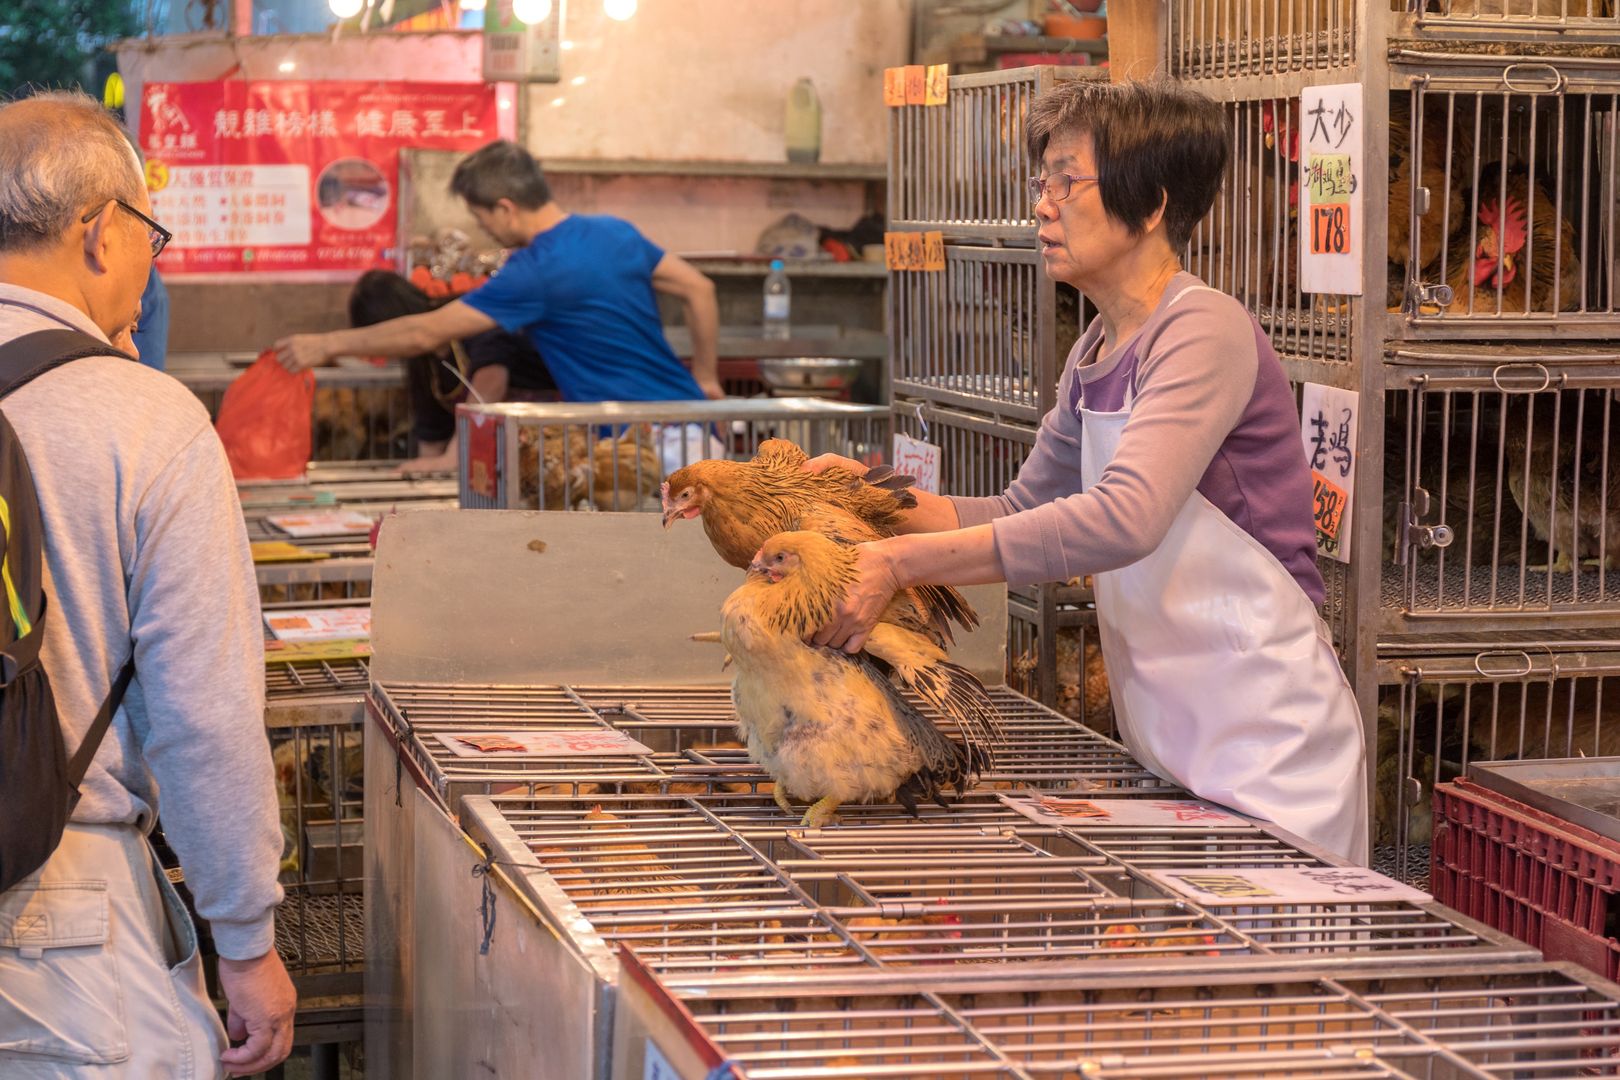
568	467
1508	188
1507	11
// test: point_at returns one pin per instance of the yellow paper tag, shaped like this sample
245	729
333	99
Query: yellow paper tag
937	84
282	652
277	551
932	254
903	251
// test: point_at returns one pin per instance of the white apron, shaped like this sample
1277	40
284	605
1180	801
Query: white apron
1223	675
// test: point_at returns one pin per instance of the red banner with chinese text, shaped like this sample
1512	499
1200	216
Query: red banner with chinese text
294	176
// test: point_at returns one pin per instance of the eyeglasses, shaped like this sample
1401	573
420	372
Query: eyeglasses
1058	186
156	234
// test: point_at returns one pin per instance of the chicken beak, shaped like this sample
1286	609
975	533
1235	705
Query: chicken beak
663	498
757	567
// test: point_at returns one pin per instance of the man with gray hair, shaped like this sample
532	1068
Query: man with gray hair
145	559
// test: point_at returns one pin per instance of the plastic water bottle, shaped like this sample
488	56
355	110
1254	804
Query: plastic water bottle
778	302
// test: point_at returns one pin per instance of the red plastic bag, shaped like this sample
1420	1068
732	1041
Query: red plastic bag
264	421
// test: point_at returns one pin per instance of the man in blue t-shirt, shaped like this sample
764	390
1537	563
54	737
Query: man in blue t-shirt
581	286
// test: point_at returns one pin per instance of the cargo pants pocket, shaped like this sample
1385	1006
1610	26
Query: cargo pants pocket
61	998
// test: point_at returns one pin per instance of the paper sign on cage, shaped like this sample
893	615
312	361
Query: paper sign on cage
326	523
917	459
1289	885
320	624
1327	427
1331	165
583	742
1065	809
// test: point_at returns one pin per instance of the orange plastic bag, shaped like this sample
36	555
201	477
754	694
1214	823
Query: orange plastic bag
264	421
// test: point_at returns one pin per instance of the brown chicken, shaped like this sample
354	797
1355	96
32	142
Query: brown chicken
1520	245
625	472
1083	691
1487	9
743	504
561	459
834	728
1563	471
1443	171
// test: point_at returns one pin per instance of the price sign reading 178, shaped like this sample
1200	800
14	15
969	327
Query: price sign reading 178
1331	133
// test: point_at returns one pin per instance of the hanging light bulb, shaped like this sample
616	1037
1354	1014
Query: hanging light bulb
619	9
472	5
531	11
345	9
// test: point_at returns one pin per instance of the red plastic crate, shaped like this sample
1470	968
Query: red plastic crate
1538	877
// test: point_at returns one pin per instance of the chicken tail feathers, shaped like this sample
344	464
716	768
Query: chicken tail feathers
931	781
896	484
946	605
961	698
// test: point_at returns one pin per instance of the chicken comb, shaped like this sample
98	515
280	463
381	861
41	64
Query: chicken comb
1511	233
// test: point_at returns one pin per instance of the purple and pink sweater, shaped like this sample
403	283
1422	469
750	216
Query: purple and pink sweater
1213	413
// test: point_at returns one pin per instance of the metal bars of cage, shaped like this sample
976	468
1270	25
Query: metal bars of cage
1502	494
1503	196
1248	245
990	332
614	455
1458	702
1222	39
962	168
1518	20
1530	1020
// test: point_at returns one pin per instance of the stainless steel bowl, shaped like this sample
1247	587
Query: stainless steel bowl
808	376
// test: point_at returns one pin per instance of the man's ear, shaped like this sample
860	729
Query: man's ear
96	239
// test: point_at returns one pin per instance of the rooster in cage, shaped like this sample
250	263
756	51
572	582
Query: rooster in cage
1443	152
743	504
1521	245
834	728
1563	472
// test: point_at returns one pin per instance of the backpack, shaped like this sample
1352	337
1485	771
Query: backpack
40	782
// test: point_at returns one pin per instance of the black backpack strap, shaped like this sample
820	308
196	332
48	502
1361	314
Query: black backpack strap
92	738
24	359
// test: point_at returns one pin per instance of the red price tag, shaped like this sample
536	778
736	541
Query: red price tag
1328	501
1330	229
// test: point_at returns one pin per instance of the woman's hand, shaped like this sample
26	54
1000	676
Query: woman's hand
826	461
875	585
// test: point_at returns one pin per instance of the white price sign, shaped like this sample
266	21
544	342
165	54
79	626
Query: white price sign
918	459
237	206
574	742
1331	166
1071	811
1289	885
1327	427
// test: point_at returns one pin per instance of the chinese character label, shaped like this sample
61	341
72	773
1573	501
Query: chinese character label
1330	161
1327	429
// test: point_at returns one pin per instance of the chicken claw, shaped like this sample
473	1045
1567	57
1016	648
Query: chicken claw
821	812
781	799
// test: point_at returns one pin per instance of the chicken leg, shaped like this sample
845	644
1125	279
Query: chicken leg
821	812
781	799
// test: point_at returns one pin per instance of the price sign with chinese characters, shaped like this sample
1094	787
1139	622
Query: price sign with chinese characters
1290	885
1328	429
320	624
1331	165
1065	808
580	742
918	459
294	176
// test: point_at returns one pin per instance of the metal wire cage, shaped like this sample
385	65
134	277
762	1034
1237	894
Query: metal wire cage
1248	244
1521	1020
1503	207
1502	492
1054	655
614	455
990	332
962	167
1444	705
359	413
1527	20
1221	39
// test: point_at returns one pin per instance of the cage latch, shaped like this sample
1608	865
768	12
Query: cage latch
1430	299
1415	534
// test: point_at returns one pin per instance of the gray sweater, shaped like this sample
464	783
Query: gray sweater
145	546
1213	413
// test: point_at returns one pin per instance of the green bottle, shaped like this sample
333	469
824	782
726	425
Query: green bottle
803	127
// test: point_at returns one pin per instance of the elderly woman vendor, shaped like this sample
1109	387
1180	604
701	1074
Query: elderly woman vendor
1171	471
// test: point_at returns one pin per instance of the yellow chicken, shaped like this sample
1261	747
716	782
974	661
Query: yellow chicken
830	727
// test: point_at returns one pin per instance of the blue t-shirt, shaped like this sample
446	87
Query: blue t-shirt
152	331
582	291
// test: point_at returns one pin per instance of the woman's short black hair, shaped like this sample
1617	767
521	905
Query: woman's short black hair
1154	140
501	170
381	295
